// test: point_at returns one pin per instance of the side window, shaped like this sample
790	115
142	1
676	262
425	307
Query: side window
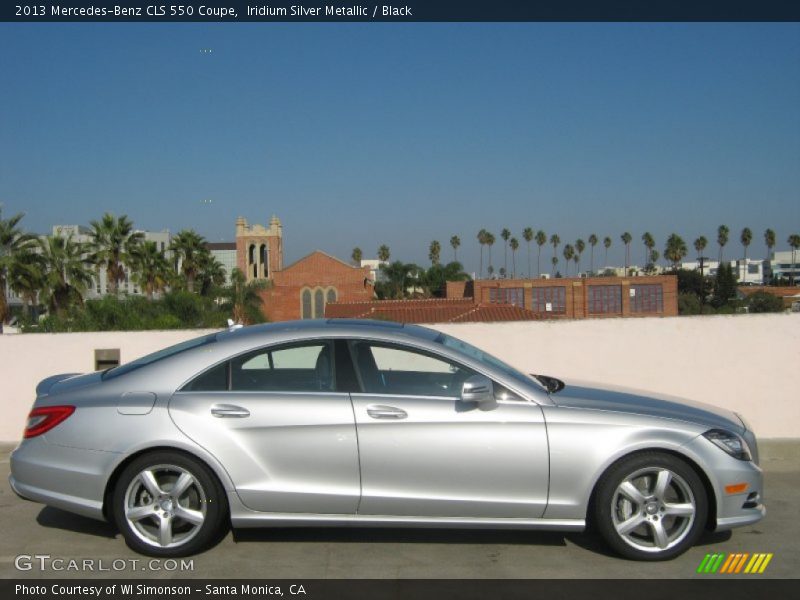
297	368
213	380
387	369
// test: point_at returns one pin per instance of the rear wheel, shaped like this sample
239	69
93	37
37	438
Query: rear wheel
650	506
169	504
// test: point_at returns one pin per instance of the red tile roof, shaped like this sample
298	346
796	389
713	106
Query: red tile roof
433	310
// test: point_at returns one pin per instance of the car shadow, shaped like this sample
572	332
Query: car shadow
382	535
59	519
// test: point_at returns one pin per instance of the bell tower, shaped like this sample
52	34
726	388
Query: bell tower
259	249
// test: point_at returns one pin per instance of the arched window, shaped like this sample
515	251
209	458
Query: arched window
305	301
262	257
319	304
331	297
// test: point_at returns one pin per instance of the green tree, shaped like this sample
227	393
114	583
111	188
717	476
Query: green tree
675	250
398	277
482	241
113	247
769	241
505	234
150	269
700	245
555	241
243	300
569	252
606	245
746	238
722	239
794	243
67	273
434	252
188	248
27	278
626	239
649	243
592	244
384	253
489	244
210	273
514	244
541	240
724	286
455	242
13	242
554	261
764	302
527	235
580	246
357	255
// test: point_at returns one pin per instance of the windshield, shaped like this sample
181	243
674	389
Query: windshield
483	357
160	355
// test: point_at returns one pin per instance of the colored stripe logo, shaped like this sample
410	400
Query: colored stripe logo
739	562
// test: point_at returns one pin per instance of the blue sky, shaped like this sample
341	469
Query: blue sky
402	133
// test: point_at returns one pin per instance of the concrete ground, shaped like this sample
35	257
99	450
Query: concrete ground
32	529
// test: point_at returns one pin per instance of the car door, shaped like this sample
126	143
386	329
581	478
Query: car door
274	420
425	453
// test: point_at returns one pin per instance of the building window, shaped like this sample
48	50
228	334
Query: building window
514	296
605	299
319	304
549	299
752	269
331	296
305	301
647	298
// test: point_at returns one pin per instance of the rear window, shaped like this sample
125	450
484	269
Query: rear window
160	355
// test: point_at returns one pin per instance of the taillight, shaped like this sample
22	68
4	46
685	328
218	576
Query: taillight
42	420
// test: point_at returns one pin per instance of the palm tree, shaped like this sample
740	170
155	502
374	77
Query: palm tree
527	235
700	245
505	234
580	246
455	242
357	255
654	258
569	252
626	239
13	241
490	243
769	240
67	273
541	240
211	272
243	299
746	237
434	252
794	243
150	269
722	239
384	253
649	243
514	244
555	241
592	244
554	261
606	245
26	278
675	250
113	245
187	247
482	241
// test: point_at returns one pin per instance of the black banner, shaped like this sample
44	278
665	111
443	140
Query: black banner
337	11
405	589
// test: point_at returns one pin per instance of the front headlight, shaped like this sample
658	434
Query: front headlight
729	442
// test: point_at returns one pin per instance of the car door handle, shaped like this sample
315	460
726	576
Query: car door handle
380	411
229	410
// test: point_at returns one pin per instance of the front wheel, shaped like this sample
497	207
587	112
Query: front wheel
650	506
169	504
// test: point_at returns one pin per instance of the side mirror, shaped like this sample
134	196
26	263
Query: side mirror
477	389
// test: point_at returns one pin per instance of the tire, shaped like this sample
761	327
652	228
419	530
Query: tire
650	506
157	521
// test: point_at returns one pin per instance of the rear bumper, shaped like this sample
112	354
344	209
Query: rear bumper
68	478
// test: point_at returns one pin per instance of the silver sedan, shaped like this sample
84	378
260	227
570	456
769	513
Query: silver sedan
368	423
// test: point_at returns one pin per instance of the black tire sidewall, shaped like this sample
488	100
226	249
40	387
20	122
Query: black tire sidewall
216	504
623	468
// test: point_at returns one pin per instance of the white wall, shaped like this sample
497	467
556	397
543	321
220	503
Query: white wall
748	363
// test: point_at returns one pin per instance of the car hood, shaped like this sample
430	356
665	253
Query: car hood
580	394
66	381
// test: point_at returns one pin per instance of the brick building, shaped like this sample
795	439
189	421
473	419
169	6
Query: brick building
431	310
577	298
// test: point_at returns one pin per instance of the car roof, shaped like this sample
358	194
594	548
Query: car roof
338	327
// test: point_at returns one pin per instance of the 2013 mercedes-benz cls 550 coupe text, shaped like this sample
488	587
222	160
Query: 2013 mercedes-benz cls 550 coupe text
371	423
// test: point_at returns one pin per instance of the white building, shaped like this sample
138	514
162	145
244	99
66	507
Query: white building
374	264
781	265
751	273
